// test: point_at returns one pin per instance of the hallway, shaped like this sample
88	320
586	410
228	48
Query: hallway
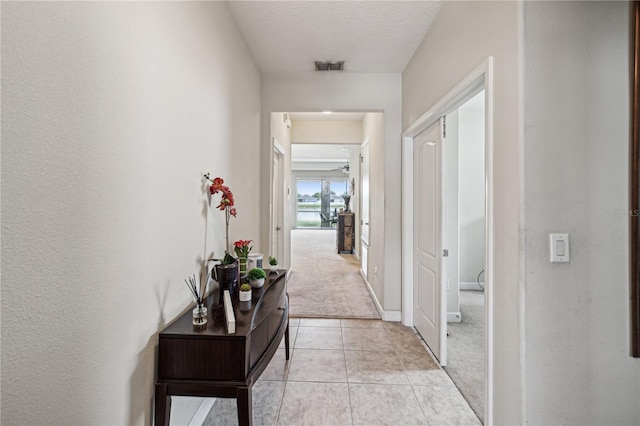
324	284
352	372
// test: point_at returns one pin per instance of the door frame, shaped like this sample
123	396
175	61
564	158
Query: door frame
364	242
479	78
277	211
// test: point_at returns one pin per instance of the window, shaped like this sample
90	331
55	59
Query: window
319	201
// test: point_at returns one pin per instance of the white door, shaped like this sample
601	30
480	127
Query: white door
427	240
364	207
277	206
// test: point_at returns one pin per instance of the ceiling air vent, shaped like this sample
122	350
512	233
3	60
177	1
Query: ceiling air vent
330	66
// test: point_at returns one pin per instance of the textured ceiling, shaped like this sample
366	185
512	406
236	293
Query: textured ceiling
370	36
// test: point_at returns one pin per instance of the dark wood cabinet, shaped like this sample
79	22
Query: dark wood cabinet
345	234
209	362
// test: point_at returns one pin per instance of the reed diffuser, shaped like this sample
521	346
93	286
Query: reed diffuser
198	290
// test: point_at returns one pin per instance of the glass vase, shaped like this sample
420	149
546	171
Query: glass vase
243	267
200	315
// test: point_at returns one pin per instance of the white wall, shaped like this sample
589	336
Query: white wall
326	131
576	170
460	38
353	92
471	190
111	111
373	128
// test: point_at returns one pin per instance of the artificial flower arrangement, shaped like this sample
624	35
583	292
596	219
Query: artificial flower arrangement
226	202
242	248
227	205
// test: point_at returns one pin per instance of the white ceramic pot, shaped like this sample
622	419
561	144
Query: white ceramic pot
257	283
245	296
273	268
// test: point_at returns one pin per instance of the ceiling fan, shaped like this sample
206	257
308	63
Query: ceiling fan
344	169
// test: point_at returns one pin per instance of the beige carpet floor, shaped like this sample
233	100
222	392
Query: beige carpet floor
323	283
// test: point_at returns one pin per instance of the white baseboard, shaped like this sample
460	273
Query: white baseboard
454	317
394	316
470	286
200	415
191	411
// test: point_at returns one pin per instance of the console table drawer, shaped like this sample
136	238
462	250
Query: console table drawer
275	317
200	359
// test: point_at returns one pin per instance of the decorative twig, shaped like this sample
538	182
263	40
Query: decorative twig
196	290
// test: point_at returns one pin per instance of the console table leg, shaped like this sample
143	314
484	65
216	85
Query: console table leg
286	341
245	416
163	405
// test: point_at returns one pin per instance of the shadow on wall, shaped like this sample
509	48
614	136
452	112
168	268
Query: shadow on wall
143	379
144	376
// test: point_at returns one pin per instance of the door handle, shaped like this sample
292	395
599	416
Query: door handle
278	228
445	253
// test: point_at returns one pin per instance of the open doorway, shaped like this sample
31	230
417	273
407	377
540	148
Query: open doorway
324	211
428	276
464	239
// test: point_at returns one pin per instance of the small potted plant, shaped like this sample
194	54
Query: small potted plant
256	277
273	263
245	293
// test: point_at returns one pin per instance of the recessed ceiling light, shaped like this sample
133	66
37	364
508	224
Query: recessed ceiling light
327	112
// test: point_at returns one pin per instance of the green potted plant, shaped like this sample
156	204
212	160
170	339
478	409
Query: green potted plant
256	277
245	293
273	263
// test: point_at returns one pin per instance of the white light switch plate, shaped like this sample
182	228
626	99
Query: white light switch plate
559	247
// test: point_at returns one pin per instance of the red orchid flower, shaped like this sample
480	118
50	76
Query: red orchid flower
226	201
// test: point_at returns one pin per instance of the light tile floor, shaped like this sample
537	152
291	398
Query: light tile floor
351	372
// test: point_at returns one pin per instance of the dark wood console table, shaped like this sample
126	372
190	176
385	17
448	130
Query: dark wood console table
212	363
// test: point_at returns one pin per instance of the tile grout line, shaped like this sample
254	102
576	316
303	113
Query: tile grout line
346	373
284	390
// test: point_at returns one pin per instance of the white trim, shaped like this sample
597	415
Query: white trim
407	231
373	295
394	316
471	286
454	317
481	77
201	414
489	232
277	147
190	410
355	254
